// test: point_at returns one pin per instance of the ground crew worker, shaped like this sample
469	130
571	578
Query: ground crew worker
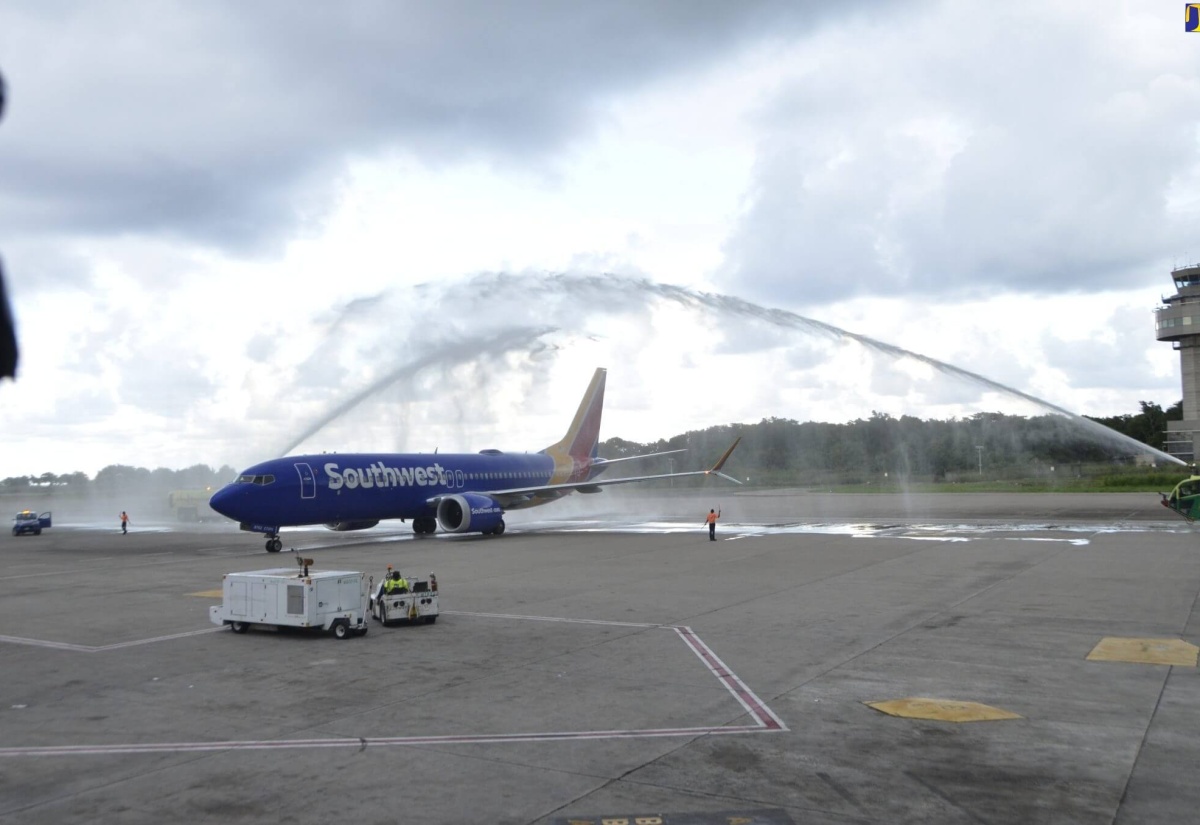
124	522
433	582
713	515
396	584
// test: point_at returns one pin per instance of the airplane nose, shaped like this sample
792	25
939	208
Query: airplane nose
224	502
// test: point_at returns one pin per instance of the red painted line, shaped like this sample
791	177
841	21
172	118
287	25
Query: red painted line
765	717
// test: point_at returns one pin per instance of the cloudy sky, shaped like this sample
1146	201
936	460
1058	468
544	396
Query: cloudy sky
235	229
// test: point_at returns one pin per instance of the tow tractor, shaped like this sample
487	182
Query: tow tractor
331	600
28	521
404	604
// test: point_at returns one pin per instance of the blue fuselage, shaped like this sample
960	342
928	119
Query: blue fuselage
351	487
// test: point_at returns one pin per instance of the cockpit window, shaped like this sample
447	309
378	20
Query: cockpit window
250	478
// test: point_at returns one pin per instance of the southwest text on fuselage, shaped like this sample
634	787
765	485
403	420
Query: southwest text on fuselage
381	475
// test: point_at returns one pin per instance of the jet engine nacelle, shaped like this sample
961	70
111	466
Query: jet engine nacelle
469	513
344	526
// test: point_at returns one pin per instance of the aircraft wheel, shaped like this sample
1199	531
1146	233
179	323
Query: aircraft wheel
499	528
274	545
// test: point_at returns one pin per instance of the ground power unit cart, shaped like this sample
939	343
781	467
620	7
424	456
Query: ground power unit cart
331	600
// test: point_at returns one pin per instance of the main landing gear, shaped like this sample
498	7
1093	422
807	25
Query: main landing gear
274	544
427	525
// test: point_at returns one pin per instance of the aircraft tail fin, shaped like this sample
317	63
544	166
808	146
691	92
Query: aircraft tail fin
583	438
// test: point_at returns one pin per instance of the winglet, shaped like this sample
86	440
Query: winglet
716	468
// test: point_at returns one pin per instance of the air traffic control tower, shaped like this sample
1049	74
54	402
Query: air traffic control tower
1178	321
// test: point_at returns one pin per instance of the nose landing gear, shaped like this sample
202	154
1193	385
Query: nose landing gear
274	544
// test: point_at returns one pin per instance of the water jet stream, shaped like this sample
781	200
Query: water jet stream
610	286
568	299
453	354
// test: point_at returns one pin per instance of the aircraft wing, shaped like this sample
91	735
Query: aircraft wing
513	496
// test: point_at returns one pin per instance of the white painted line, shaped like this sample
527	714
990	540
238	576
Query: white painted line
552	619
17	640
183	635
391	741
134	561
34	575
766	721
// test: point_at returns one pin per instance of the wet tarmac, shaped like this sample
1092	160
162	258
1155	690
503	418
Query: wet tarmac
591	665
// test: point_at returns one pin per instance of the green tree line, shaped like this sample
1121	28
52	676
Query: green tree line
122	479
780	450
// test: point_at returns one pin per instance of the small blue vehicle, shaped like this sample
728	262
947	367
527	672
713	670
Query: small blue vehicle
28	521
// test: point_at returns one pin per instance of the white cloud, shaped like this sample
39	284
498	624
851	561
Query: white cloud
946	153
287	212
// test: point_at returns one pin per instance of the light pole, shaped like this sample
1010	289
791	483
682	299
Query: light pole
979	452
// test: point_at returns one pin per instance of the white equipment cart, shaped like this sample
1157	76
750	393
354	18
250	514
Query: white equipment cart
331	600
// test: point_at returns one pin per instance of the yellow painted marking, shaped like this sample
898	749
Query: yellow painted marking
941	710
1145	651
208	594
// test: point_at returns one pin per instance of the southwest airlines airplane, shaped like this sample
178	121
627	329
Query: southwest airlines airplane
458	492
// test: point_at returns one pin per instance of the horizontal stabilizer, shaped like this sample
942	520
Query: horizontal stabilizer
604	462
